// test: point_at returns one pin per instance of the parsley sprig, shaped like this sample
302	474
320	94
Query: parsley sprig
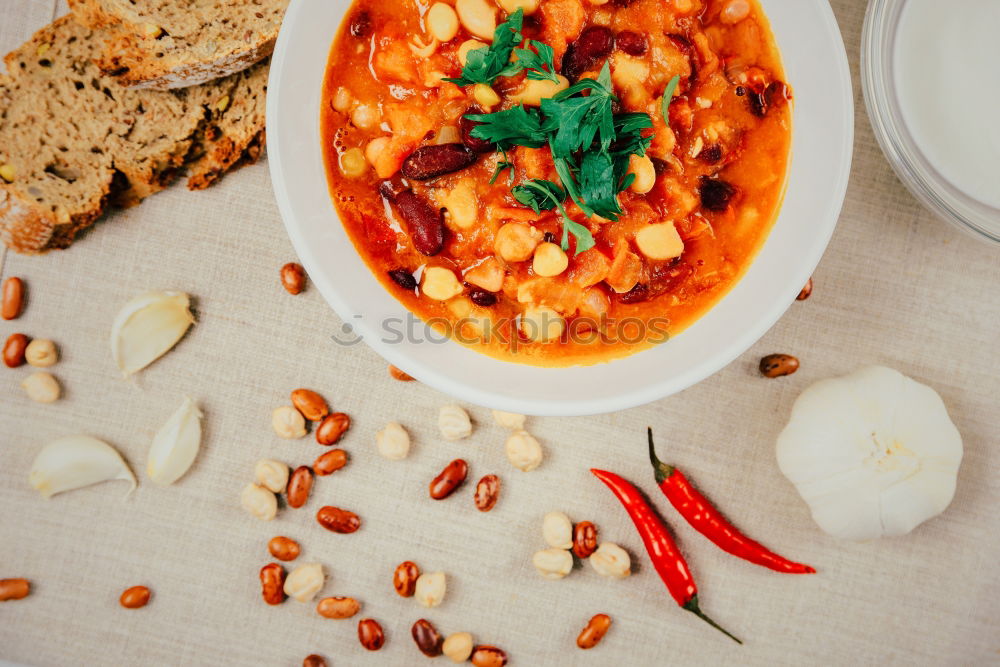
538	62
485	65
541	195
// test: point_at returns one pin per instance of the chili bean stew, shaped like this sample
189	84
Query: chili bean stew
557	182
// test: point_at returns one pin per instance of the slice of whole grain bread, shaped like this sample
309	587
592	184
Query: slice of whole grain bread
164	44
73	142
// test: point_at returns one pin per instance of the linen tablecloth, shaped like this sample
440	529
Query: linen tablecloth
896	287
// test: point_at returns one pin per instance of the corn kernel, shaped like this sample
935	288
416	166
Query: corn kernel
550	260
222	103
151	30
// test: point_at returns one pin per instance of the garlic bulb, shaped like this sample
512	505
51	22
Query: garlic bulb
175	445
75	461
873	453
147	327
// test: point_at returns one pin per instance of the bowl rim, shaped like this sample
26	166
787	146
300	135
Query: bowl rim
770	313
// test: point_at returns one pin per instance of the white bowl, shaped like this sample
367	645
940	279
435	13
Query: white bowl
816	67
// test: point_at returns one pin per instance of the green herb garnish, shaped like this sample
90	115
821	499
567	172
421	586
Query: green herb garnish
668	94
538	63
541	195
485	65
517	126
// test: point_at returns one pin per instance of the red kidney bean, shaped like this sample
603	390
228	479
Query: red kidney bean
774	94
14	349
711	154
715	193
272	583
337	520
299	485
488	656
361	24
449	479
594	631
425	224
427	638
778	365
403	278
314	660
584	539
370	634
481	297
433	161
665	278
330	462
593	44
631	43
487	493
404	579
466	125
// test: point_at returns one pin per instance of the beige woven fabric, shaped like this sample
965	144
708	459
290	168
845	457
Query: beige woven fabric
896	287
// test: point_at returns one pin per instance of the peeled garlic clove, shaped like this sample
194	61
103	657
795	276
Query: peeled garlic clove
76	461
147	327
175	445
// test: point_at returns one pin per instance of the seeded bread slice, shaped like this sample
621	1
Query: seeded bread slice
73	142
163	44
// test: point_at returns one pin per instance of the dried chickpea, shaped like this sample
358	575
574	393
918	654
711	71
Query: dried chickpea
542	324
440	283
342	100
431	588
610	560
271	474
442	22
41	353
462	204
457	647
516	241
454	422
288	422
511	6
645	174
488	274
393	442
509	420
523	451
465	47
375	148
553	563
534	91
485	96
734	11
478	17
659	241
365	116
557	530
259	502
549	260
41	387
304	582
353	163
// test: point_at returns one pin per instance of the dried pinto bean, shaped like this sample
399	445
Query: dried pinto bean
13	298
361	24
312	406
427	638
337	607
135	597
13	350
272	583
778	365
631	43
330	462
332	428
449	479
806	291
584	539
715	193
299	486
404	579
370	634
594	632
14	589
424	223
337	520
488	656
293	277
594	43
466	125
403	278
433	161
711	154
283	548
487	493
314	660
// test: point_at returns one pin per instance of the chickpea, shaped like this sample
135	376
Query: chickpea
485	96
259	502
509	420
271	474
304	582
462	204
288	422
478	17
734	11
523	451
516	241
353	164
458	647
440	283
511	6
553	563
465	47
342	100
535	91
375	148
41	353
41	387
430	589
542	324
442	22
365	116
488	274
610	560
550	260
659	241
557	530
645	173
393	442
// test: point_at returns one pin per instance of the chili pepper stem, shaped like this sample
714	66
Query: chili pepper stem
661	469
692	606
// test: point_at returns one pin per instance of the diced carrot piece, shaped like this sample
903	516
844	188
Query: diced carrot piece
536	162
563	20
626	268
394	61
390	160
589	268
552	292
512	213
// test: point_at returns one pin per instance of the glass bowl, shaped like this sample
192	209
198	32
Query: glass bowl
881	92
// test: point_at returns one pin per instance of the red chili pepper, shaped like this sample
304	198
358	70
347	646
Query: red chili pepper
708	521
660	546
